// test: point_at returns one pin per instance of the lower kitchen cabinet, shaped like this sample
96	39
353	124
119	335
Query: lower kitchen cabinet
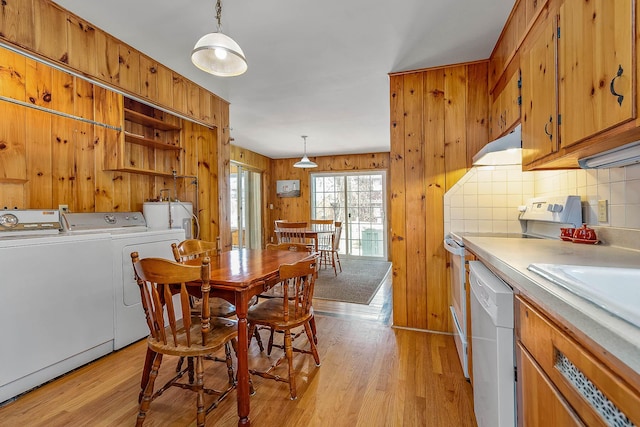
540	403
561	382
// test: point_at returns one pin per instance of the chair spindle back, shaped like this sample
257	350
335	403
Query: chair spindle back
159	280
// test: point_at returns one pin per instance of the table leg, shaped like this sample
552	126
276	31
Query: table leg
243	361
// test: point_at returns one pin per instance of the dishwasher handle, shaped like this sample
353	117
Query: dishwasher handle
494	295
452	247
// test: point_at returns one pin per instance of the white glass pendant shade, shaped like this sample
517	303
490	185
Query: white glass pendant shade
220	55
305	162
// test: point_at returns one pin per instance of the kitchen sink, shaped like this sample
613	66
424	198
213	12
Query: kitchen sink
616	290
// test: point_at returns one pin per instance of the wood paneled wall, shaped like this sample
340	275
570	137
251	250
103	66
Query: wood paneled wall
299	208
438	122
47	159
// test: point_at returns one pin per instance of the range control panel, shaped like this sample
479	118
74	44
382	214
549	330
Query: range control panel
557	209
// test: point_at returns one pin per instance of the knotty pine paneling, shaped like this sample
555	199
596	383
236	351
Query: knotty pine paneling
249	158
206	105
223	169
83	100
415	202
179	92
107	58
47	159
193	100
39	186
207	150
61	168
434	115
81	44
148	78
37	83
477	105
397	202
84	167
17	22
12	145
63	151
455	141
129	74
164	82
50	30
437	107
62	91
13	70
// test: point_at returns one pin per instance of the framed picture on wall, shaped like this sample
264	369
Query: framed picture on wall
288	188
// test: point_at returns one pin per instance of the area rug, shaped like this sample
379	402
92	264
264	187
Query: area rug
358	282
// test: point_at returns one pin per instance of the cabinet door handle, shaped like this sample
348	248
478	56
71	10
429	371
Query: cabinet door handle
612	88
545	127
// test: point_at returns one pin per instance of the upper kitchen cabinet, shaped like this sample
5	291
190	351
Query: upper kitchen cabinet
596	67
505	108
539	91
522	17
578	82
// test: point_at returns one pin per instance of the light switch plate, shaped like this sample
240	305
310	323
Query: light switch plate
602	211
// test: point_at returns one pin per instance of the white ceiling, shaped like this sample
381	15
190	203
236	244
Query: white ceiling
316	67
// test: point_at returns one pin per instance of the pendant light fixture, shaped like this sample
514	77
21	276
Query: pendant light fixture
217	53
305	162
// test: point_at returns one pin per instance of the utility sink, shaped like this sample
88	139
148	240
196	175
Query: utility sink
616	290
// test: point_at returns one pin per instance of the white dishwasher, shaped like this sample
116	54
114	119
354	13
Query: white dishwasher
492	348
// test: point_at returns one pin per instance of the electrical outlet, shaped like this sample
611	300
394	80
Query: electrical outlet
63	208
602	211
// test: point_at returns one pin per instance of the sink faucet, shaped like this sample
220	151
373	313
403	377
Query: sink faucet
168	198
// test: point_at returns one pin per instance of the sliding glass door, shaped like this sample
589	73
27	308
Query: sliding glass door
246	215
358	200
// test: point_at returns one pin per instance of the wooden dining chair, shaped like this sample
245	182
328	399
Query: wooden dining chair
292	232
294	309
324	227
175	334
195	248
331	251
276	291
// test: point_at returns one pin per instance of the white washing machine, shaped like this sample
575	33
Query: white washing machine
128	233
55	293
130	324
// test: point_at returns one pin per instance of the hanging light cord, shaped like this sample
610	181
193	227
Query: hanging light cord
219	15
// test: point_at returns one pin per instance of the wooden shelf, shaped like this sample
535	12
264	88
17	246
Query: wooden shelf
13	181
143	172
141	140
136	117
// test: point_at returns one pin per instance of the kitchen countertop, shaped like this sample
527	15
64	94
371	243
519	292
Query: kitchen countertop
509	258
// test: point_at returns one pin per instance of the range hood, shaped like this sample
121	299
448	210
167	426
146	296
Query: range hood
618	157
506	150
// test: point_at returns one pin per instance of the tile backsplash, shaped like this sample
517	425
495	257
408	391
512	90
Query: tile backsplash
486	199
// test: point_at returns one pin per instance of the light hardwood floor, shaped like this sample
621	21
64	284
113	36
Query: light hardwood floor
371	375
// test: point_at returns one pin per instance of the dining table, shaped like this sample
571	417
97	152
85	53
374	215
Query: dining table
237	276
309	234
